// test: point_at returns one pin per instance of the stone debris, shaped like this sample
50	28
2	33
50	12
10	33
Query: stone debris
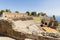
54	35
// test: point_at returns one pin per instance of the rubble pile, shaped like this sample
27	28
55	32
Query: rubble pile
47	34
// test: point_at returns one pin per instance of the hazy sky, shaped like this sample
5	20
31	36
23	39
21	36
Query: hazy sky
51	7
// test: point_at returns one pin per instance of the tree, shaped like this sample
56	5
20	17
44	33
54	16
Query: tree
42	14
1	12
28	12
16	11
38	14
7	10
33	13
54	17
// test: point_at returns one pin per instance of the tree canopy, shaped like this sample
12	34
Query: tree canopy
16	11
28	12
33	13
7	10
2	11
54	17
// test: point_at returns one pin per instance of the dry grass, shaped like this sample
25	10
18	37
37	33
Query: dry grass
36	18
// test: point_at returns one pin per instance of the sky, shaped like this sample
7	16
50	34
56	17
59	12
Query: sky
50	7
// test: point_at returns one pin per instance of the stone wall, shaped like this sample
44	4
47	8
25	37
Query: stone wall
13	15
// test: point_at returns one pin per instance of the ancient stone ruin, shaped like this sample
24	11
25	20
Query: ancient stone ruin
6	29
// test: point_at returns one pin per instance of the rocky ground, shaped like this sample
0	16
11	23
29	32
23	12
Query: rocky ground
19	29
